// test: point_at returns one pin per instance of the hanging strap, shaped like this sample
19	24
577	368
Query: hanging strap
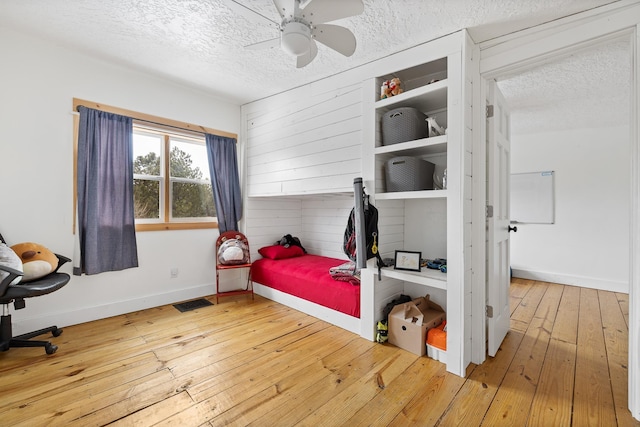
381	264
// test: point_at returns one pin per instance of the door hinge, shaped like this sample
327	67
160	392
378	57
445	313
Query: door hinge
490	312
489	111
489	211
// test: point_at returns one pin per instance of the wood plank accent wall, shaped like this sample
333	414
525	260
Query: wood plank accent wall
308	150
309	146
324	219
391	226
267	219
319	221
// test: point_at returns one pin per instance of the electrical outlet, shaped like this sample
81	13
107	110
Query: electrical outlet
174	272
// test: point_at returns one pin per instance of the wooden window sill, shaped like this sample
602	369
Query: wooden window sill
176	226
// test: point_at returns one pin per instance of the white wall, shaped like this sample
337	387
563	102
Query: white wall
588	245
38	81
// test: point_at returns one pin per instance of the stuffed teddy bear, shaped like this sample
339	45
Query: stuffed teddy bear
37	261
390	88
394	86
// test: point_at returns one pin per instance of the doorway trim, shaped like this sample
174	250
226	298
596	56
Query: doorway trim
517	52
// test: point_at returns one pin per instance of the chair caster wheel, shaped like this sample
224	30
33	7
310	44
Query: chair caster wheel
51	348
56	332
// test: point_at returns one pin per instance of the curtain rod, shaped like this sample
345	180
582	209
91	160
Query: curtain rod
151	119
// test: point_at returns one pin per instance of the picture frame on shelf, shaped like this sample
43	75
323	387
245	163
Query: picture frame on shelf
407	260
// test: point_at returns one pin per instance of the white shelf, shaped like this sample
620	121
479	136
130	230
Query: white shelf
425	98
429	221
426	277
422	194
419	75
418	147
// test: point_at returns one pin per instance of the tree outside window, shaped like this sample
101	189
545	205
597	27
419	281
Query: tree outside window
179	192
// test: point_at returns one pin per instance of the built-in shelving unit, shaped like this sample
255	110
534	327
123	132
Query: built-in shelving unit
426	89
434	222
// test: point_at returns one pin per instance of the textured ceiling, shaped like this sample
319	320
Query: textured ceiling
200	43
587	89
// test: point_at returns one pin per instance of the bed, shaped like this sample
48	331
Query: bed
303	282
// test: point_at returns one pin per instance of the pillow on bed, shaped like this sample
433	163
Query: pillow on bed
280	252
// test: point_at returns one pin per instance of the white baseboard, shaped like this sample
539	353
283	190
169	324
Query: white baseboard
334	317
88	314
566	279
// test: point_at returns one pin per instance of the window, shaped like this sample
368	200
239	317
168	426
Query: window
172	184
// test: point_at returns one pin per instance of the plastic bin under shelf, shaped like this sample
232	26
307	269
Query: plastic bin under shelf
437	354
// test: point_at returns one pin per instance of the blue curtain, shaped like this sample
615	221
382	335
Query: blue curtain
225	180
106	220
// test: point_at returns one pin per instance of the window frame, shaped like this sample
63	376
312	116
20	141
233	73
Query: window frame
167	137
154	122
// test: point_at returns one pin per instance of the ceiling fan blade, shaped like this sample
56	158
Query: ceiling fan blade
286	8
336	37
266	44
321	11
304	60
248	13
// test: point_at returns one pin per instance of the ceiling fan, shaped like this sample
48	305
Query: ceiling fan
303	22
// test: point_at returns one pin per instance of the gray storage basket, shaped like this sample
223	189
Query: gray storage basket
407	173
403	124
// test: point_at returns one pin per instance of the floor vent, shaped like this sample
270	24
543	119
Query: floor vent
192	305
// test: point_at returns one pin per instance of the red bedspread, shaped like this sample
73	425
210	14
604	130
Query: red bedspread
308	277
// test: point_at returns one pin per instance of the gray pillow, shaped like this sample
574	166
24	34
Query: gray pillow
9	258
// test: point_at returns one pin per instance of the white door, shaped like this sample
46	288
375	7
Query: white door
498	172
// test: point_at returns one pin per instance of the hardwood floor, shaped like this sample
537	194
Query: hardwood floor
563	363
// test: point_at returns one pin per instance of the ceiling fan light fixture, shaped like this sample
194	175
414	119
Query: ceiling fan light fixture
296	37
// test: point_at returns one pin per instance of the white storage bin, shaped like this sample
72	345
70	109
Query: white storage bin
436	354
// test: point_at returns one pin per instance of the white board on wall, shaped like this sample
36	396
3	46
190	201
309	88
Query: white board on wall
532	197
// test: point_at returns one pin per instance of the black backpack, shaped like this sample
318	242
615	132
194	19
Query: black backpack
397	301
371	234
289	240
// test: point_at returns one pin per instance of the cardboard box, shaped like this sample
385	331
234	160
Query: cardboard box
409	323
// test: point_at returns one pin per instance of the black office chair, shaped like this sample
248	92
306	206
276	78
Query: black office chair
16	294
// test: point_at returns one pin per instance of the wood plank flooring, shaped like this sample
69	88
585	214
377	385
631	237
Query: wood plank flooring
258	363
